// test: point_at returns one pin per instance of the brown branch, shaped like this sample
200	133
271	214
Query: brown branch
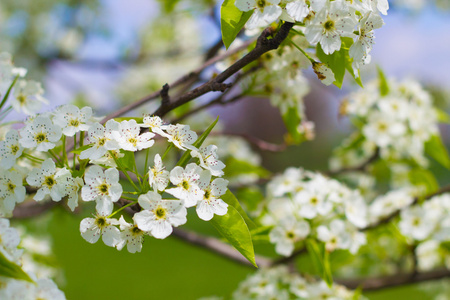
378	283
31	209
396	213
219	247
263	45
260	144
183	79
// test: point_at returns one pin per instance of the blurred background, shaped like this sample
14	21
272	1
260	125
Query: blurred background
109	53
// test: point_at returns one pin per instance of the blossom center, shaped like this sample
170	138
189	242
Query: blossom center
207	194
40	137
290	235
132	141
329	25
101	222
135	230
313	200
21	98
185	184
101	141
49	181
261	3
74	122
11	186
14	149
160	212
103	188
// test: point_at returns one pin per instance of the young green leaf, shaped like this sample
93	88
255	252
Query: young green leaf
442	116
198	143
231	199
424	178
81	149
235	167
384	86
232	20
11	270
232	226
339	61
127	161
436	149
321	260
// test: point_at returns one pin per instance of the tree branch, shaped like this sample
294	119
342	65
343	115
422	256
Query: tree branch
370	284
263	45
179	81
394	214
219	247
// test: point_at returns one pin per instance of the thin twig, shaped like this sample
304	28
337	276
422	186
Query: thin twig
263	45
378	283
219	247
179	81
396	213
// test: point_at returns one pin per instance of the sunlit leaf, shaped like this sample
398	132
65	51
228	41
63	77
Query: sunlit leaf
232	20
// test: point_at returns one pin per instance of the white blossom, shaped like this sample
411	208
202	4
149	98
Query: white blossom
131	236
92	228
12	191
186	181
102	187
72	119
27	97
158	176
49	180
159	215
40	133
181	136
10	149
102	140
265	11
211	204
209	159
129	137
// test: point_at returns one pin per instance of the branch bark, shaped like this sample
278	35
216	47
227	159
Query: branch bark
378	283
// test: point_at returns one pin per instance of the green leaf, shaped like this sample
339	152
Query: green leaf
81	149
168	6
198	143
232	226
442	116
424	178
232	20
251	197
11	270
435	148
230	199
339	61
127	161
138	120
384	86
321	260
235	167
291	120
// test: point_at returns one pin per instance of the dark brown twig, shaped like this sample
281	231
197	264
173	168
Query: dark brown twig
370	284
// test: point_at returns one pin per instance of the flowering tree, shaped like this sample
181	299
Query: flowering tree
378	213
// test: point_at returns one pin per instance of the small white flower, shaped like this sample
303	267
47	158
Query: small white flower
330	24
72	119
72	186
12	191
102	187
43	289
287	233
416	223
158	176
159	215
155	124
50	181
131	236
265	11
10	238
335	237
186	181
129	139
92	228
109	159
28	97
10	149
209	159
40	133
211	204
181	136
102	139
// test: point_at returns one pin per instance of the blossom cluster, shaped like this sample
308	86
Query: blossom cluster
428	225
398	122
302	204
325	21
278	283
42	288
